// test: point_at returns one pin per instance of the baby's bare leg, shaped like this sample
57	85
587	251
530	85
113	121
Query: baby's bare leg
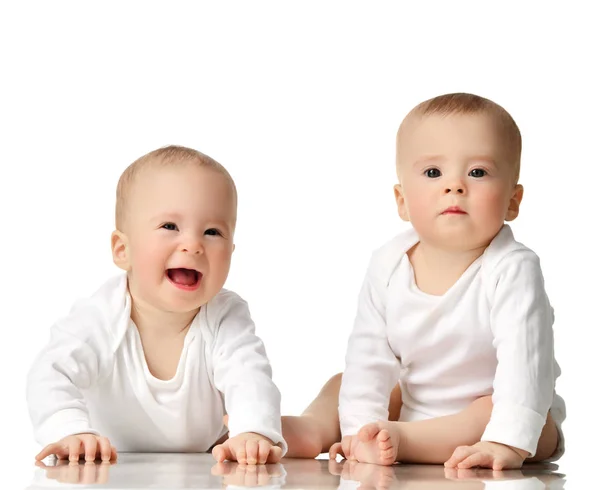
318	428
434	440
548	442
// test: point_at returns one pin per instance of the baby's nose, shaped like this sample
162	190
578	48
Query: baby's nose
458	189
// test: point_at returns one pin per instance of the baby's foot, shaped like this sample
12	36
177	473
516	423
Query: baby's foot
378	443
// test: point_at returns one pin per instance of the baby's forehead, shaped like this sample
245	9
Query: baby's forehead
179	190
423	130
158	177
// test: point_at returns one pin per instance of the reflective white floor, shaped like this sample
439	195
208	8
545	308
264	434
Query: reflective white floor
199	471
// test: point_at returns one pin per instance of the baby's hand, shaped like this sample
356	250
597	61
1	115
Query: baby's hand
73	447
247	448
487	455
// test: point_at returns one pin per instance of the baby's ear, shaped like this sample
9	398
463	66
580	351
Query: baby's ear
120	250
401	203
515	202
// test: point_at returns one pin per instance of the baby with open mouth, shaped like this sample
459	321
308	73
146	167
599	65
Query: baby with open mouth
155	359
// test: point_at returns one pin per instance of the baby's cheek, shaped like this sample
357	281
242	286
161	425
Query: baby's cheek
419	206
146	264
492	203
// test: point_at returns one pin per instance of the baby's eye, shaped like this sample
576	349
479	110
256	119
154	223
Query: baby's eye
213	232
433	173
477	173
170	226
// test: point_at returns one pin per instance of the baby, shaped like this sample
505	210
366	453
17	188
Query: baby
156	357
451	357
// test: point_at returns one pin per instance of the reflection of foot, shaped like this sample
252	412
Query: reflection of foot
241	475
302	435
369	475
378	443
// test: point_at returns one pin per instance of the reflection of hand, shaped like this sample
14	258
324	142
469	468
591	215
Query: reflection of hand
508	479
480	474
248	448
73	447
75	472
370	476
249	475
486	455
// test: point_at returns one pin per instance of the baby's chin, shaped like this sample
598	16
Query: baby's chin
456	239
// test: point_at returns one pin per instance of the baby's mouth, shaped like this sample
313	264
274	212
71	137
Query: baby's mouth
187	278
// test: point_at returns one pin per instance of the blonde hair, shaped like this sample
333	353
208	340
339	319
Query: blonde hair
463	103
166	156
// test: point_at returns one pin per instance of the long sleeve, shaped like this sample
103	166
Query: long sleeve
372	369
66	366
243	374
521	320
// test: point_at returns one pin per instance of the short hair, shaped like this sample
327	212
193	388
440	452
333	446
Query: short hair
464	103
165	156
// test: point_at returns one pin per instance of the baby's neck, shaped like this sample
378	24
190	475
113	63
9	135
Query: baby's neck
152	321
436	269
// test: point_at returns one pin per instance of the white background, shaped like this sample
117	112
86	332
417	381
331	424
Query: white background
301	102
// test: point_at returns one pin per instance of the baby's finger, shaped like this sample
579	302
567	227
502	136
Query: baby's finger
264	447
275	453
48	450
113	454
221	452
90	445
335	450
240	454
74	445
347	446
459	454
104	448
478	459
251	451
499	464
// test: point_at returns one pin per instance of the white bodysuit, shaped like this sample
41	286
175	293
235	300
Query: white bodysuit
93	377
489	334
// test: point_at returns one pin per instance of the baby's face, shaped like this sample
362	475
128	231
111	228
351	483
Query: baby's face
180	226
456	179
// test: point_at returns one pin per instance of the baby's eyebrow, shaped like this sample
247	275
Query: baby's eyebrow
166	217
483	158
428	159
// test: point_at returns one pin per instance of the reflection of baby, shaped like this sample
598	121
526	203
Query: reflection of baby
153	360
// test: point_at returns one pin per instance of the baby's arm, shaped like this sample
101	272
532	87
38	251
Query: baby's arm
521	319
372	369
243	374
66	366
